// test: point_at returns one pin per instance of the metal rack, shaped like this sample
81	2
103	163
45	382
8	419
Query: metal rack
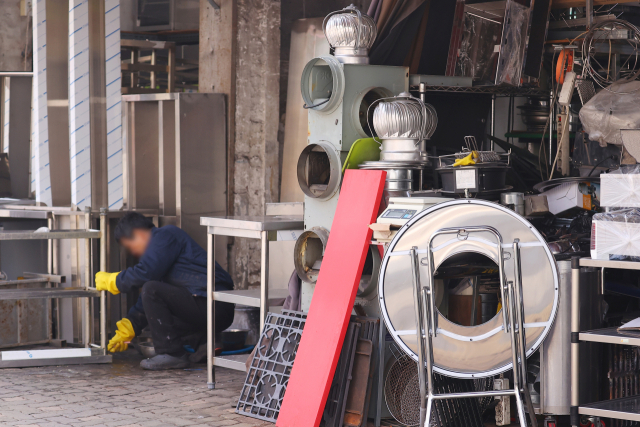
626	408
266	229
82	353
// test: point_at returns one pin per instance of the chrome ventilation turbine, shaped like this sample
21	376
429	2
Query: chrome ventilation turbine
351	34
402	123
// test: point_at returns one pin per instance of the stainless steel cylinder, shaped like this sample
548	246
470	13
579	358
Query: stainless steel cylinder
400	150
514	201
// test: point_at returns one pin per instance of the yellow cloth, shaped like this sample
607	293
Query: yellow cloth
123	335
471	159
107	282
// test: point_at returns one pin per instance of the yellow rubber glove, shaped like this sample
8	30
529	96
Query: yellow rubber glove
471	159
107	282
123	335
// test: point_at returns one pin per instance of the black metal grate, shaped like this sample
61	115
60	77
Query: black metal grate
624	377
268	375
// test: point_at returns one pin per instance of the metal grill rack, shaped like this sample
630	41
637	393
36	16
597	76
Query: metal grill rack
85	351
621	408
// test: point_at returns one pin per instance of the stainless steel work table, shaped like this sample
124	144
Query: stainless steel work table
266	229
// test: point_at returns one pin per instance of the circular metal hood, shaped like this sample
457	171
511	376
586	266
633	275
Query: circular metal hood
469	351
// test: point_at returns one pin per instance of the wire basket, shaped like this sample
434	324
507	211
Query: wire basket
402	395
402	391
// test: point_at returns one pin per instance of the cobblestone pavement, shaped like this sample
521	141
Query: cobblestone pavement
120	394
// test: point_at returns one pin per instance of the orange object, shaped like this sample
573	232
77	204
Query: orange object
564	64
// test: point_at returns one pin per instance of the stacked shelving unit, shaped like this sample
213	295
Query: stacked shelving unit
625	408
73	353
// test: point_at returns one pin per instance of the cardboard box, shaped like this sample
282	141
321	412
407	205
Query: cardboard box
572	195
536	205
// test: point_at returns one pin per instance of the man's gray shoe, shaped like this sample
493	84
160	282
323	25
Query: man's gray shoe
163	362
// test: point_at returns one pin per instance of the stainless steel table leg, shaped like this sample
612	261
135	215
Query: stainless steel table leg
381	355
575	343
264	278
103	267
86	312
211	375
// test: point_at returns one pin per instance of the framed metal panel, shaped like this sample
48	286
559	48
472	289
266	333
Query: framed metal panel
201	167
19	135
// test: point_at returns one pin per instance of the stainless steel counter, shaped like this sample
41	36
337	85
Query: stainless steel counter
264	228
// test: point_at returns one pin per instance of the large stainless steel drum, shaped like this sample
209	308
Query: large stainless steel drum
468	351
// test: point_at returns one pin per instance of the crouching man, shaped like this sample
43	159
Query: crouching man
172	272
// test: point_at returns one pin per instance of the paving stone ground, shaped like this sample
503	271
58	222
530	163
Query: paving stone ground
119	394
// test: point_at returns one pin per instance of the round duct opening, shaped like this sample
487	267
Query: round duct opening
319	171
322	84
368	286
467	288
362	114
308	252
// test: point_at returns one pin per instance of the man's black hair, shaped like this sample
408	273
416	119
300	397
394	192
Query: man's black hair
129	222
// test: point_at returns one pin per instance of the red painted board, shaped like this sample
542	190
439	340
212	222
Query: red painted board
333	299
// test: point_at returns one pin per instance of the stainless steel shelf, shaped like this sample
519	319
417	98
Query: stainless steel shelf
22	294
626	408
609	336
53	234
251	297
256	223
237	362
485	90
605	263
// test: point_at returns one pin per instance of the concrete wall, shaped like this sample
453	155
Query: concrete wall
244	53
240	57
15	37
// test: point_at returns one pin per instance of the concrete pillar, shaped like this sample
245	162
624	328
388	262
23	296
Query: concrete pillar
240	57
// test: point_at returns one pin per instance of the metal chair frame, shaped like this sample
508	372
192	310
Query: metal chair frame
513	321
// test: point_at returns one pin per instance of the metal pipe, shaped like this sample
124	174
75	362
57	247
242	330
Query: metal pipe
382	333
426	296
103	267
552	120
472	394
589	11
518	309
420	331
211	375
264	278
86	312
50	304
432	322
16	73
54	270
493	119
514	354
575	342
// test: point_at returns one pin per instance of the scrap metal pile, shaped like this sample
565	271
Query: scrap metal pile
457	294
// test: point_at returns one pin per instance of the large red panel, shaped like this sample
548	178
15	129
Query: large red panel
333	299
